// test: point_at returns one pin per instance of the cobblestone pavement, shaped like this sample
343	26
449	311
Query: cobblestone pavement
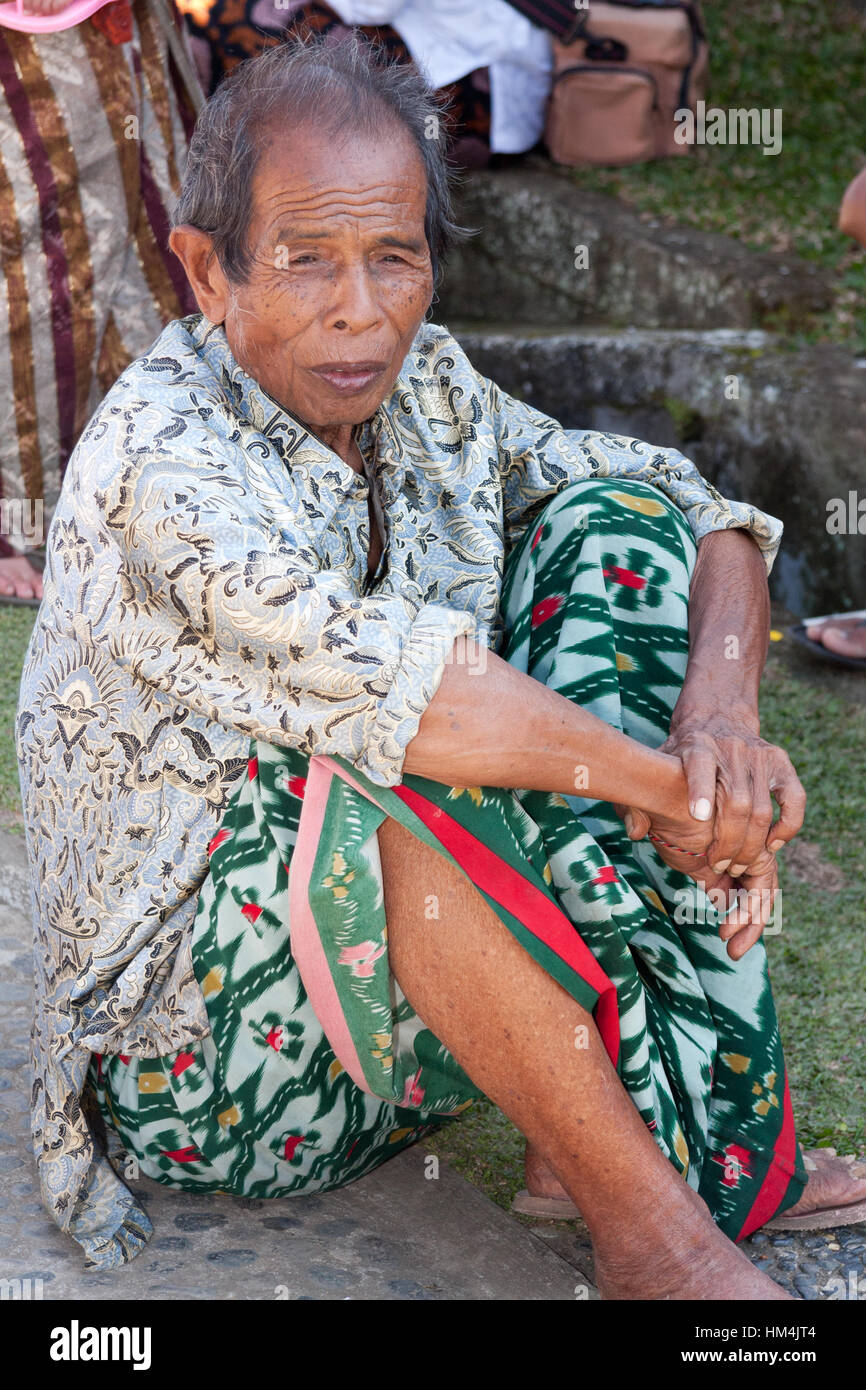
393	1235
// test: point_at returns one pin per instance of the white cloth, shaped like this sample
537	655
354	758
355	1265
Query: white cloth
450	38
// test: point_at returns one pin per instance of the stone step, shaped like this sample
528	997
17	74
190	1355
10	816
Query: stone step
782	429
638	270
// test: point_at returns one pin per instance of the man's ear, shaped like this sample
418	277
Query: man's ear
194	249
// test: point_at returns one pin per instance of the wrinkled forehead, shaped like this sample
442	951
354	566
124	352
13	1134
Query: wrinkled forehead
310	175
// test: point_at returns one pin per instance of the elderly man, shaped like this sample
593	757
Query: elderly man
348	672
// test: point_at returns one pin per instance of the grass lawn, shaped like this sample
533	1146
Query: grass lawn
809	60
818	960
15	628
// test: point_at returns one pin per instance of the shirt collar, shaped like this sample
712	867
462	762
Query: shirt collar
250	400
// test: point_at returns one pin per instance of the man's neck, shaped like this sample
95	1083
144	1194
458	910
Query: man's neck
341	439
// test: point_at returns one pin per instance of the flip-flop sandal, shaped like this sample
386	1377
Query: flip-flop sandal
822	1219
817	649
38	563
545	1208
20	602
825	1218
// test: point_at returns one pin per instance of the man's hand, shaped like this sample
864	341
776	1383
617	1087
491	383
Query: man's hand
755	896
734	771
745	903
733	774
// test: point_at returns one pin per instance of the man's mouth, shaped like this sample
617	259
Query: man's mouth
350	377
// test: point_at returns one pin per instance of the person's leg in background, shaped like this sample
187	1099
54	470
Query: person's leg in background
465	103
844	634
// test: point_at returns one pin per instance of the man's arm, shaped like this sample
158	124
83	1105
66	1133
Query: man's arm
715	727
729	628
238	622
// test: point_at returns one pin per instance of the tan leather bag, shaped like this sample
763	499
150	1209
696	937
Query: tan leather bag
617	85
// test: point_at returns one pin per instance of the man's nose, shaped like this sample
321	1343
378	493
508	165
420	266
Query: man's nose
356	303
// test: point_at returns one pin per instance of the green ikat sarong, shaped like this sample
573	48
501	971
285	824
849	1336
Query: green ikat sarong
317	1069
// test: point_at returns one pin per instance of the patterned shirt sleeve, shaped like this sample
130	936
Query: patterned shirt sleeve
538	458
241	625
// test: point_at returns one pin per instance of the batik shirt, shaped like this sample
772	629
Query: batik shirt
206	584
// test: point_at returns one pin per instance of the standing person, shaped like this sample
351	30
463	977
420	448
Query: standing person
94	125
490	65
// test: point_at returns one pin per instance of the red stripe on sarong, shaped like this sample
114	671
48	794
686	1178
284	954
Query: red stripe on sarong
527	903
490	873
779	1174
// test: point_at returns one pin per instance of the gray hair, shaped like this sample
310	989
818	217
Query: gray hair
348	86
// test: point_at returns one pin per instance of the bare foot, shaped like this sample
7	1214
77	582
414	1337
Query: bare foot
844	636
703	1264
19	579
833	1182
695	1269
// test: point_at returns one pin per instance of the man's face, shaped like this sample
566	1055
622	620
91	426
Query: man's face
341	275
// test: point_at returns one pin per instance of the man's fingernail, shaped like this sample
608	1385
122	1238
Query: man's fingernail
721	866
737	869
702	810
775	844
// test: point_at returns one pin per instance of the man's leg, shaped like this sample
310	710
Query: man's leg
513	1029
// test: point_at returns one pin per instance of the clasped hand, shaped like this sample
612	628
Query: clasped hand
726	820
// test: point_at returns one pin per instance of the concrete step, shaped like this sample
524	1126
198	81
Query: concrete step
782	429
634	269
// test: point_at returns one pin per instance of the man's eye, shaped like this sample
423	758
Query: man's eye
305	259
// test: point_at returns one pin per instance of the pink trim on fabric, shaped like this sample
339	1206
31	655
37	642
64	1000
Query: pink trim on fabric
307	948
518	895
